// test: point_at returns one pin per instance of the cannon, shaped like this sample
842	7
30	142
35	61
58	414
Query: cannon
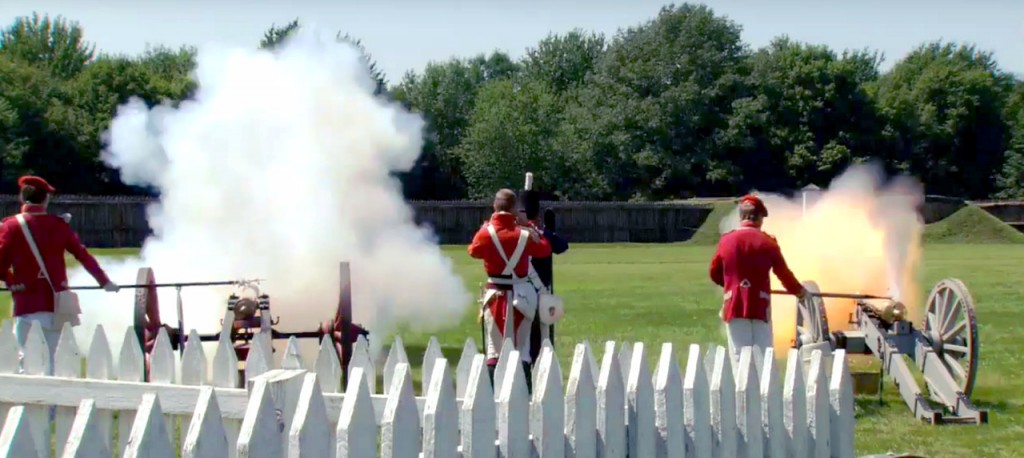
247	312
944	347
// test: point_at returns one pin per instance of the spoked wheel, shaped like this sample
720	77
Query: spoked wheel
950	328
811	320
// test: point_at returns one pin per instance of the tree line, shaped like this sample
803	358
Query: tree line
675	107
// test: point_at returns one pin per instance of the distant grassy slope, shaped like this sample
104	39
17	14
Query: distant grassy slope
971	225
708	233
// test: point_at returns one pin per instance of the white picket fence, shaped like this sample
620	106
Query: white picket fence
614	409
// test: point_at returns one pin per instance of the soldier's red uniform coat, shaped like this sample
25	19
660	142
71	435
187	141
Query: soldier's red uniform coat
53	236
741	266
483	248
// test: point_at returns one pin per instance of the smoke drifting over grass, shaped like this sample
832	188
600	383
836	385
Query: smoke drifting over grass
278	169
861	235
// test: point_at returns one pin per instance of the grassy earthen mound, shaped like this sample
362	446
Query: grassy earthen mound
971	224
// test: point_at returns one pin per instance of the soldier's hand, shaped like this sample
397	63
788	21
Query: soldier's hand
111	287
534	235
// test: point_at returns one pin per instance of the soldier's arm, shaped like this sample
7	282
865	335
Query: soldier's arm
480	240
78	250
558	244
782	271
538	246
5	255
715	271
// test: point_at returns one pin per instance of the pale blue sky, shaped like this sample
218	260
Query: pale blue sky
406	34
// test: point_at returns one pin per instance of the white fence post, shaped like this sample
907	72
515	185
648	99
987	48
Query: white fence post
149	432
206	435
68	364
723	404
611	400
668	406
310	432
697	406
841	405
357	425
513	411
87	437
400	426
547	408
441	412
818	406
772	417
581	406
640	405
748	407
477	416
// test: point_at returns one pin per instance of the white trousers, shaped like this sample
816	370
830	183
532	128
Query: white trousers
748	333
22	325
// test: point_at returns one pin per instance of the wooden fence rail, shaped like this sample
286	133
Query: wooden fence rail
616	408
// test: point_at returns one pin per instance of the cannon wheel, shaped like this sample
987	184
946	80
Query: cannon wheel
147	310
951	329
811	319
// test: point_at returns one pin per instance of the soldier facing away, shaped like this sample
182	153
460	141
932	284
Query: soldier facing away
506	247
741	266
33	243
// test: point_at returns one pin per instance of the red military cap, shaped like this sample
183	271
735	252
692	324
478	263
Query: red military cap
754	200
35	182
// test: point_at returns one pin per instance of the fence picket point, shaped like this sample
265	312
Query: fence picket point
723	405
668	406
148	436
794	400
206	435
581	406
328	367
292	358
463	370
818	406
748	407
161	359
430	356
440	413
260	435
504	359
477	415
640	405
513	411
225	375
193	361
100	366
256	362
37	362
547	408
357	423
17	438
310	433
225	364
396	356
625	359
595	370
772	412
67	363
611	401
697	405
841	407
400	425
87	437
361	359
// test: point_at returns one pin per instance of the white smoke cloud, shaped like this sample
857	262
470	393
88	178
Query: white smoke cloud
279	169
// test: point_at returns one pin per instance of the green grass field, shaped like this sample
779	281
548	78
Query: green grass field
660	293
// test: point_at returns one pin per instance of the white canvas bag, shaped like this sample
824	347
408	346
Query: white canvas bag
65	303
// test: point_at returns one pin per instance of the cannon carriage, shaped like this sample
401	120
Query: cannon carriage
944	347
247	313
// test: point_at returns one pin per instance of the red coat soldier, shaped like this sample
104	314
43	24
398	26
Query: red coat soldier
33	289
506	246
741	266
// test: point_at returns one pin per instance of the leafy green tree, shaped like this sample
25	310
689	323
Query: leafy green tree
806	117
512	129
563	61
646	125
445	95
1011	179
275	35
944	107
54	44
